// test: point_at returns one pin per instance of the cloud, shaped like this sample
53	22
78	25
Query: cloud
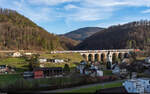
43	11
86	14
85	10
146	11
50	2
114	3
70	7
36	14
92	10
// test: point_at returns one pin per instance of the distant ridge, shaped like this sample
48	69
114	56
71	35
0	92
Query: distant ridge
82	33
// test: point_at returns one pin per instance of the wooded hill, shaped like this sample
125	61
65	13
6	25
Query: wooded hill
68	43
130	35
18	32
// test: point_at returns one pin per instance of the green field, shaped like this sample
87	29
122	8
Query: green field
19	63
93	89
17	81
140	58
73	59
107	72
7	79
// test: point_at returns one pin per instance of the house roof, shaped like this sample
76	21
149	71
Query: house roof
2	66
126	60
145	78
46	68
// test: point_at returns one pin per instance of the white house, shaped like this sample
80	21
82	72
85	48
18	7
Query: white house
141	85
58	60
55	60
28	54
81	66
116	70
99	73
42	60
147	60
126	60
16	54
93	72
42	65
3	68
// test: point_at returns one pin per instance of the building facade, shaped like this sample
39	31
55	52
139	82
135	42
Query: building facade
141	85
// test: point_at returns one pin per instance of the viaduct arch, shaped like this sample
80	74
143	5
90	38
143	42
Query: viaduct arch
100	55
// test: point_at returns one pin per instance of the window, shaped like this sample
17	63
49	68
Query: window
129	88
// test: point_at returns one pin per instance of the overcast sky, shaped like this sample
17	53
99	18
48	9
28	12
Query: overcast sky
61	16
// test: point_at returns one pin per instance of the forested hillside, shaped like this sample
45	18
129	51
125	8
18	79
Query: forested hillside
130	35
18	32
68	43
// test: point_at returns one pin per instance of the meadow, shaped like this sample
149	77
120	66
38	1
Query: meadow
92	89
70	58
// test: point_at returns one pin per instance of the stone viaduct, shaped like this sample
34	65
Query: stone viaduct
100	55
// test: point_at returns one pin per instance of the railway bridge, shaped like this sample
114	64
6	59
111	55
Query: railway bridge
101	55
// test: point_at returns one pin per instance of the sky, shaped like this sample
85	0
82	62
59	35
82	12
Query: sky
62	16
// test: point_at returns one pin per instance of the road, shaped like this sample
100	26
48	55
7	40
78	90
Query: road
79	87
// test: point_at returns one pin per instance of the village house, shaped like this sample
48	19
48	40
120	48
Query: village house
140	85
44	73
117	70
3	69
120	70
48	72
28	54
55	60
146	64
42	65
6	69
147	60
126	60
16	54
81	66
43	60
91	71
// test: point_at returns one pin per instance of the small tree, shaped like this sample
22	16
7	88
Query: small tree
66	68
33	62
133	56
108	65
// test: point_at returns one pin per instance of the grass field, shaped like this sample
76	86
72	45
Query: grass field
73	58
7	79
107	72
19	63
93	89
17	81
140	58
